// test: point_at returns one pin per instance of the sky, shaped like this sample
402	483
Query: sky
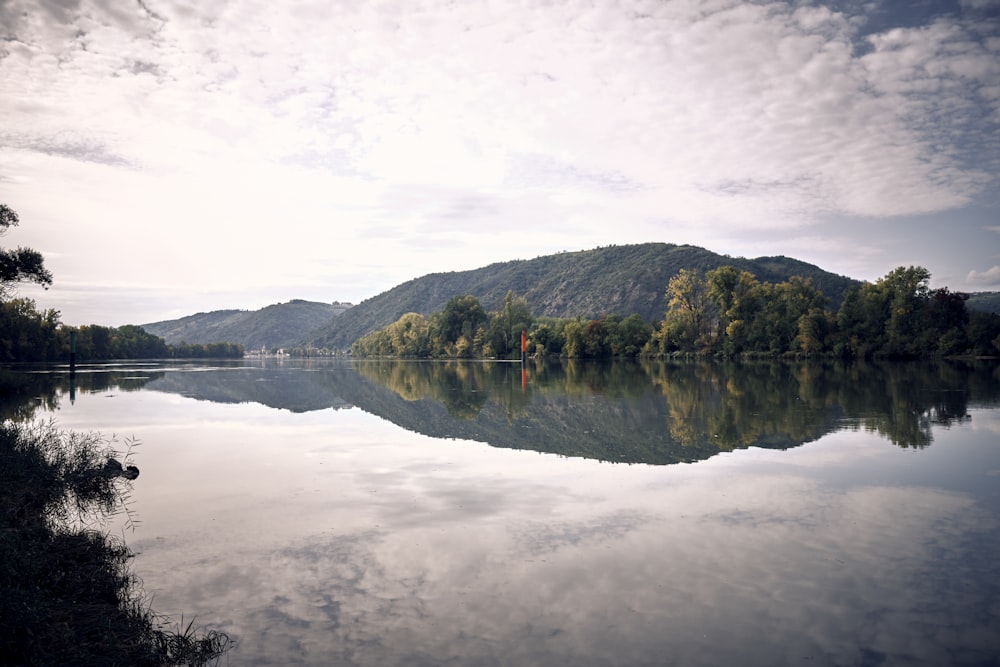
170	157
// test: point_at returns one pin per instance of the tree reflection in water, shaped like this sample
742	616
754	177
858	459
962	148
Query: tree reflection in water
690	409
656	412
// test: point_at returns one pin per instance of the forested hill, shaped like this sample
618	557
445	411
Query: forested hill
619	280
278	325
986	302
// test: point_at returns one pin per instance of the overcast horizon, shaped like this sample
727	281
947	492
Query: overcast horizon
169	158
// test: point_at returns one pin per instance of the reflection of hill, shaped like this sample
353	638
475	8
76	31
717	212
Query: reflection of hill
595	427
295	390
605	412
655	413
671	412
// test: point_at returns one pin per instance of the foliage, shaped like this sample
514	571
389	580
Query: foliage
688	316
95	342
899	315
626	279
726	312
27	334
458	324
503	335
731	312
464	330
20	264
69	597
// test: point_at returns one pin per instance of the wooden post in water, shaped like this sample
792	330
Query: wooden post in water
72	352
72	366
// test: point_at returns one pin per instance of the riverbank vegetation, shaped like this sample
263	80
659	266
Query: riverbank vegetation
69	597
722	312
30	334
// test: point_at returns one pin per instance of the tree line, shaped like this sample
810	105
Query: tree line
722	312
29	334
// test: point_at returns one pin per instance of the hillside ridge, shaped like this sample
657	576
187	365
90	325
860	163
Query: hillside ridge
616	279
274	326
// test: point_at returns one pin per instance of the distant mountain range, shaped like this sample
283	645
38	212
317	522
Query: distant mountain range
275	326
619	280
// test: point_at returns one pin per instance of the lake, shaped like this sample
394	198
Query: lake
444	513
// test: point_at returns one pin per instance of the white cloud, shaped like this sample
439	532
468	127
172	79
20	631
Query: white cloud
430	123
988	278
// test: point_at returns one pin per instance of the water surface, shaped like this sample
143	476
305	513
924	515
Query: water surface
391	513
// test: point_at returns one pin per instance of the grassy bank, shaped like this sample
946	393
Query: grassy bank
67	595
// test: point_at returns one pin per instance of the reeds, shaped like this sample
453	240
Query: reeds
67	595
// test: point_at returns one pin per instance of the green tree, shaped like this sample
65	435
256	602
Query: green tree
899	315
505	326
945	327
906	290
628	336
739	298
134	342
546	337
595	340
686	320
27	334
814	329
573	335
462	316
984	333
20	264
861	321
784	307
409	336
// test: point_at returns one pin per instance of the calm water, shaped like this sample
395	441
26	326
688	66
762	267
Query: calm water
377	513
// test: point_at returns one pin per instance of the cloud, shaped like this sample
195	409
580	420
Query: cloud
427	124
75	148
748	102
981	4
988	278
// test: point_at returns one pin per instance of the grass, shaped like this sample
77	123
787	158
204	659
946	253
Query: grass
67	594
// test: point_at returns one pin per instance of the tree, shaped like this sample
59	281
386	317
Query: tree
27	334
409	336
21	264
739	297
861	321
573	335
505	326
907	293
685	321
462	316
595	340
984	333
627	336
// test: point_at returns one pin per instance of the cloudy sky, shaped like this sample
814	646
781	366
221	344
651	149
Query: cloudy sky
171	156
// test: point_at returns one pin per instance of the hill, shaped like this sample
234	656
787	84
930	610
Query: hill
987	302
618	280
277	325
